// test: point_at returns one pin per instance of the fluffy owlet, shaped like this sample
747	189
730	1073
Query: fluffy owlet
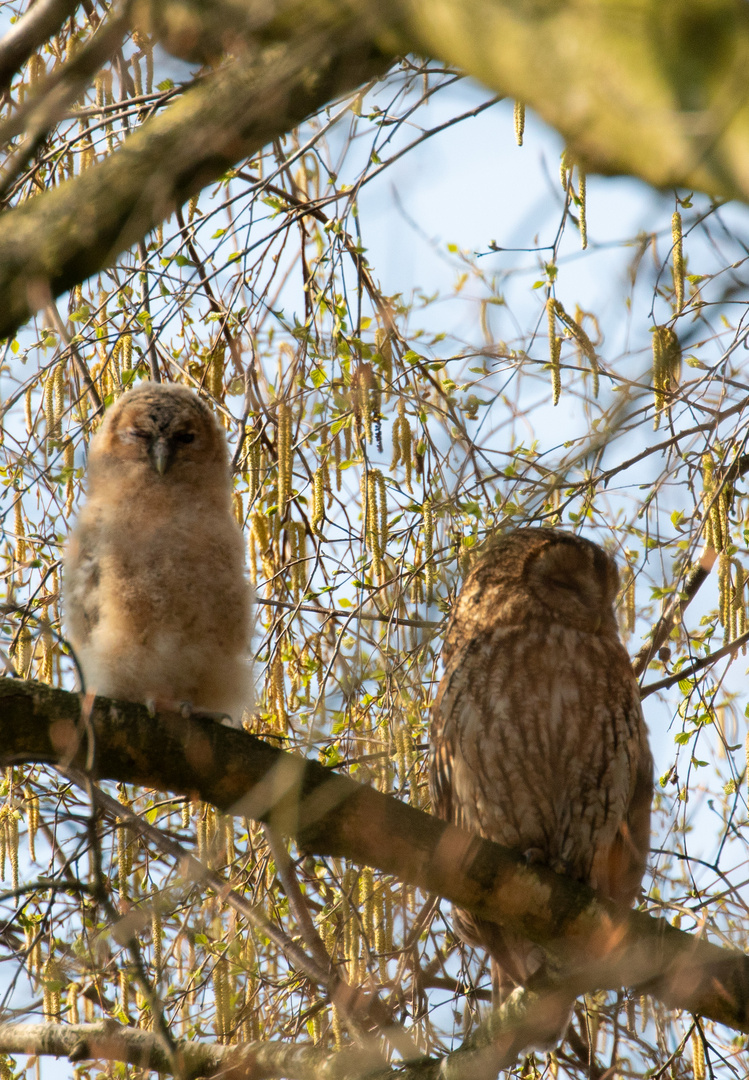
157	606
537	738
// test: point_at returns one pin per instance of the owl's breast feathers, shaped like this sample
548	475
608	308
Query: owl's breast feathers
538	743
158	571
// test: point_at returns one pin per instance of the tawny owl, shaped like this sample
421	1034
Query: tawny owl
156	603
538	740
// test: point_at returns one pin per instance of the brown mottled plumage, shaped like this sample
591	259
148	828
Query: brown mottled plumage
537	738
157	606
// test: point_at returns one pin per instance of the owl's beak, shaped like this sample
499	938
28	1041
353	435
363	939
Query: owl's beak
160	454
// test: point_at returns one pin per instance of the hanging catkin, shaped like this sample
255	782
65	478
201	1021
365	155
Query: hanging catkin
283	448
678	260
555	350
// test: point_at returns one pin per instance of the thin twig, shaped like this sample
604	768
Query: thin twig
57	321
698	665
427	624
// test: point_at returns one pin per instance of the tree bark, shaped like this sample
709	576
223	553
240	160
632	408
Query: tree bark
600	945
38	23
651	88
60	238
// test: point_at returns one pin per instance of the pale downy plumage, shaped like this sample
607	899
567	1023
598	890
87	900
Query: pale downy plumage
156	603
538	740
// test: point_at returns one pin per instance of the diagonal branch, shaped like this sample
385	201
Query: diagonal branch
600	945
62	237
699	665
42	19
695	579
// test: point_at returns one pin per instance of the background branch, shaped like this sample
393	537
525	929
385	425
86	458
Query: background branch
63	236
110	1041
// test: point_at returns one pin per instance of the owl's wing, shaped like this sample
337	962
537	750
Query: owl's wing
82	581
441	755
444	742
440	787
513	959
638	814
627	856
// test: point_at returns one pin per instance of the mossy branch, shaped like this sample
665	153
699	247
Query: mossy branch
60	238
327	813
654	89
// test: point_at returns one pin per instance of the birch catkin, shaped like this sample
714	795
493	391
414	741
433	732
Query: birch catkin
555	350
429	571
582	188
678	260
519	119
283	446
698	1055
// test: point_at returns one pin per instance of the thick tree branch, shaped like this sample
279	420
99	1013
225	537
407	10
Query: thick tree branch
58	239
655	89
330	814
42	19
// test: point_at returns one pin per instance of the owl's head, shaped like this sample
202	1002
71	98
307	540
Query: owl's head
159	429
541	574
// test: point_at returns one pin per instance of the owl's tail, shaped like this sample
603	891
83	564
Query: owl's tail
537	1007
523	978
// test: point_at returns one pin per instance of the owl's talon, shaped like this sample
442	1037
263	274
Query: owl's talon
218	717
533	856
